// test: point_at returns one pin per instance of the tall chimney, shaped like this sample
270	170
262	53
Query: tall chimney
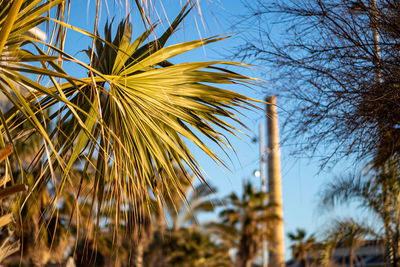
275	245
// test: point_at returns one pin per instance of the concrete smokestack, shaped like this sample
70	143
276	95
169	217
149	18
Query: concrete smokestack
276	246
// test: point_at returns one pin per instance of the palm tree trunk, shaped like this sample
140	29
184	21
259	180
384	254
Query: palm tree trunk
136	255
351	257
139	255
389	244
395	249
244	263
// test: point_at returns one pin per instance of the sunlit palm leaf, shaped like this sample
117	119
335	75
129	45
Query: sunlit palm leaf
135	116
131	117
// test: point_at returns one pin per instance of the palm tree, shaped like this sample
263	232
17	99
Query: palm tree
345	233
132	111
17	81
194	247
241	224
182	242
302	247
43	238
378	193
127	119
8	245
182	207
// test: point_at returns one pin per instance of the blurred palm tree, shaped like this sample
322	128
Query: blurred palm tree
186	246
43	238
379	193
181	241
302	248
9	245
347	234
151	237
242	225
182	208
194	247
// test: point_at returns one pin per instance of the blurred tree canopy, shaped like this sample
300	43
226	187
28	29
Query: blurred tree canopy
339	61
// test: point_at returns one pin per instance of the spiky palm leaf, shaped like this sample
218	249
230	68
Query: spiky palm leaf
17	75
130	118
135	110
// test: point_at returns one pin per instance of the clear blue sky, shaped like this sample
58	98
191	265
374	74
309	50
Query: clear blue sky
301	178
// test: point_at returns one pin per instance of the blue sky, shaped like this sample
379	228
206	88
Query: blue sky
301	177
